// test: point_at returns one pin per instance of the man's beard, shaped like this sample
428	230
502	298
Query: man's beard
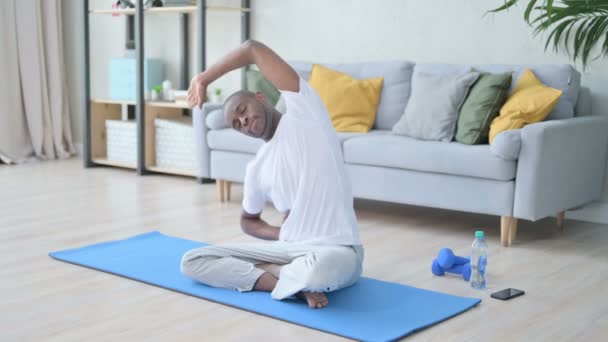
267	122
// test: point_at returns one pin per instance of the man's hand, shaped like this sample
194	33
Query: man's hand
197	93
252	224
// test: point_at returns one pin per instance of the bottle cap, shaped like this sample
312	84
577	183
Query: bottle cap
479	234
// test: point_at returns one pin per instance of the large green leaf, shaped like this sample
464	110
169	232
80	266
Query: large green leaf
507	5
586	19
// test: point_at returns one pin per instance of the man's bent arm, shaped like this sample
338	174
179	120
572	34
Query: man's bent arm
272	66
252	224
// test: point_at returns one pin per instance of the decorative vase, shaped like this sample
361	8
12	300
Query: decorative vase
214	98
154	95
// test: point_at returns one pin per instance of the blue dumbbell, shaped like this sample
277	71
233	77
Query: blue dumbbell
464	270
447	259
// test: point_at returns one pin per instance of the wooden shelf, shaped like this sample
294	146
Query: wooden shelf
126	11
101	110
165	104
183	105
228	9
111	101
108	109
105	161
175	9
179	172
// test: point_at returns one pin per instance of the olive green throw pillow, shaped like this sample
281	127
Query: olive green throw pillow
481	106
257	82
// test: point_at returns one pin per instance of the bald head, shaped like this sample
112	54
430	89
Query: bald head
236	97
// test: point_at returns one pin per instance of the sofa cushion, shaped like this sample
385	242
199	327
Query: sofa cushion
281	106
351	103
530	102
559	76
257	82
432	111
481	106
428	156
230	140
395	91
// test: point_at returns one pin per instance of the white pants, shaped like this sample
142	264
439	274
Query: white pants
312	268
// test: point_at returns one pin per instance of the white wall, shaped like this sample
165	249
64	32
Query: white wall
454	31
443	31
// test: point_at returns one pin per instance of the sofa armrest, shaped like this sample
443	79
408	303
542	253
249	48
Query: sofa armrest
561	166
200	138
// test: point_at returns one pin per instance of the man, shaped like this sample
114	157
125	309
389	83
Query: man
300	169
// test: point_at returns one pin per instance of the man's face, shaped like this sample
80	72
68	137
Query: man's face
249	115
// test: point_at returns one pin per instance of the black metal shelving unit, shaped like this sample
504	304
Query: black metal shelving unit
91	147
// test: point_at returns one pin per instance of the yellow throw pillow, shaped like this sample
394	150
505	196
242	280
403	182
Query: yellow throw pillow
530	102
351	103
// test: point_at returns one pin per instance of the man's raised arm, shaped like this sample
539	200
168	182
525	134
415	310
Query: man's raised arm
272	66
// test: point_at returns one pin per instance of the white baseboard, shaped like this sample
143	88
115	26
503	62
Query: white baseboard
78	148
596	212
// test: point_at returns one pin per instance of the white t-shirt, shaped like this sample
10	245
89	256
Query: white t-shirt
301	170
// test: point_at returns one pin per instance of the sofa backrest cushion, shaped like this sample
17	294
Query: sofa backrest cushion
395	92
559	76
432	111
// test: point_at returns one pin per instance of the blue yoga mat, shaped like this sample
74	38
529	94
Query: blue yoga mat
371	310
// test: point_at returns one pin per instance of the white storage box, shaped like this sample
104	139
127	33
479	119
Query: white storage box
175	143
121	140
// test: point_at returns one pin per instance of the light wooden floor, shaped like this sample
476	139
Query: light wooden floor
56	205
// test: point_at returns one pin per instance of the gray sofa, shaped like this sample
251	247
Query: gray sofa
560	164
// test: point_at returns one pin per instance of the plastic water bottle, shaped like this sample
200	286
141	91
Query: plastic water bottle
479	261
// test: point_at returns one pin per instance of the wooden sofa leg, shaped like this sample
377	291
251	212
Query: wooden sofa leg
508	230
227	186
220	189
561	216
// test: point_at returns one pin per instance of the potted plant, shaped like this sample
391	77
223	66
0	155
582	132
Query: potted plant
216	95
574	25
155	93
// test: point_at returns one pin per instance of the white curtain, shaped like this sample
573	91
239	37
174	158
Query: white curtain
34	107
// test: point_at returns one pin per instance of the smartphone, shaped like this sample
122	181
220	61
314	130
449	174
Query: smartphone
507	294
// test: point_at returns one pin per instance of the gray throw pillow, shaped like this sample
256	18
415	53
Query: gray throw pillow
432	110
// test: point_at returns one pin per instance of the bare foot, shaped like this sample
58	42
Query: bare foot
315	300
